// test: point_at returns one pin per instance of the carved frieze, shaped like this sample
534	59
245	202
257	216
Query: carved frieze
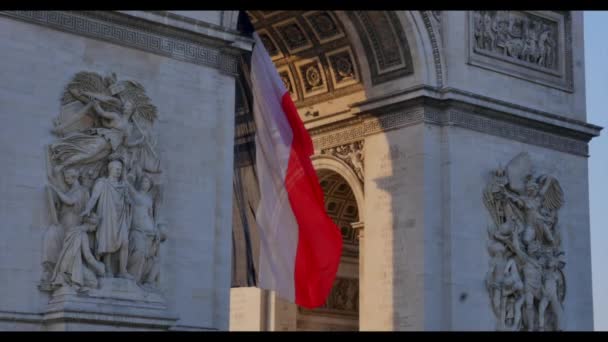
120	29
352	154
525	281
103	190
517	35
533	45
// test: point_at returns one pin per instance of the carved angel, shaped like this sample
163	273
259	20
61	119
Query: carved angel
524	211
101	117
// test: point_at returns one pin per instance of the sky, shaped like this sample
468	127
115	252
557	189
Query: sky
596	59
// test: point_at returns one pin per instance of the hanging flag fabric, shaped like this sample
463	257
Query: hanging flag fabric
299	244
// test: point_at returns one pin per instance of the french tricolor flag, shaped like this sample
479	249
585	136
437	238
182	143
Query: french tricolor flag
300	245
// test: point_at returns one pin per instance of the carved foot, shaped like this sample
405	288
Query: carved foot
100	268
82	291
45	286
125	275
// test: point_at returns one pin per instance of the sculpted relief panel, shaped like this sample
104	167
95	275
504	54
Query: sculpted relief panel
517	35
532	45
103	191
526	281
352	155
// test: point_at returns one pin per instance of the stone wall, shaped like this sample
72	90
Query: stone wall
194	134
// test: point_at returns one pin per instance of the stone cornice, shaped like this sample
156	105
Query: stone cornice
474	118
127	30
508	111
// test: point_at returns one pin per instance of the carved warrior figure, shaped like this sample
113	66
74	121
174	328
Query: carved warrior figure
105	136
525	281
516	36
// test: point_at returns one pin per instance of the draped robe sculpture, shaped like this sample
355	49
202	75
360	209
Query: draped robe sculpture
104	137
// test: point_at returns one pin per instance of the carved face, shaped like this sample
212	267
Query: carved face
70	176
531	188
127	108
115	169
146	184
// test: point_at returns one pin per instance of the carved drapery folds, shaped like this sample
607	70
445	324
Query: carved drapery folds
526	281
352	155
103	188
517	35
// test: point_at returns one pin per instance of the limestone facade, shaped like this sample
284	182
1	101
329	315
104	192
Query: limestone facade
439	101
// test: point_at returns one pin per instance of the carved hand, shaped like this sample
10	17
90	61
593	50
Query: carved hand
86	212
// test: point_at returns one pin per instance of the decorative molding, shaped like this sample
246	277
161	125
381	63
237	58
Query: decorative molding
335	135
352	154
322	38
324	26
386	62
516	132
135	33
531	45
432	22
342	67
24	317
312	76
293	36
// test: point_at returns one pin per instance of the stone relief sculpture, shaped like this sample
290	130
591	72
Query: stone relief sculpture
146	234
65	214
516	35
101	226
352	155
526	282
76	265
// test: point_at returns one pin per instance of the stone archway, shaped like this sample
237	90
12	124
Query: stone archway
333	63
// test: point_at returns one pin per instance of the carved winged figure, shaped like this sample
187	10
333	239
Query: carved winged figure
104	135
524	212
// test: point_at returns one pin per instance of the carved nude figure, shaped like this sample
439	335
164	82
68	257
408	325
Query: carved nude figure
111	199
145	235
550	295
512	296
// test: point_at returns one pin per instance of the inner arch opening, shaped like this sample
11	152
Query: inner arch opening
341	310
